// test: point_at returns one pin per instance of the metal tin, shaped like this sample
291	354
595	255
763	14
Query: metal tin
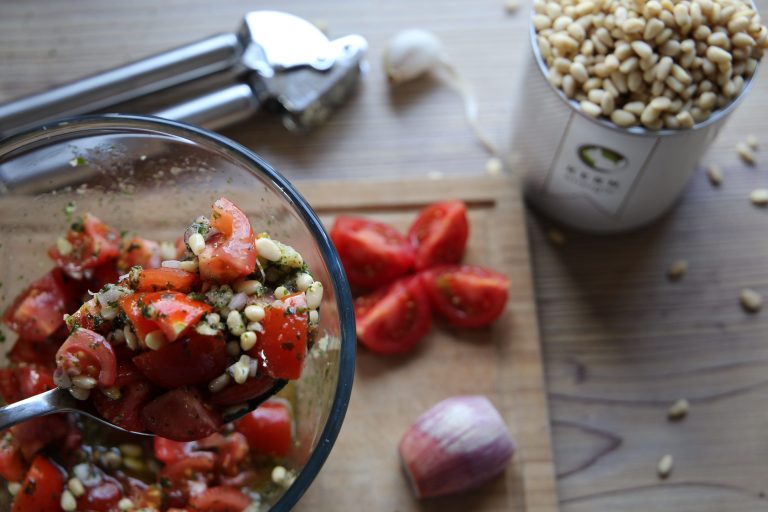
591	174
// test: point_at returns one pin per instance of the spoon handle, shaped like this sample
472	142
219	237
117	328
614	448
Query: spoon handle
55	400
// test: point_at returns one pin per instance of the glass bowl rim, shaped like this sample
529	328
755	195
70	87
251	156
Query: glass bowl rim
344	302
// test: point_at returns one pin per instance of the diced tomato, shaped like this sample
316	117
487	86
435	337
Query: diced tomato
268	428
188	466
171	312
168	450
125	411
230	254
35	434
41	489
230	449
181	415
93	243
220	499
103	496
174	279
194	359
88	353
139	252
238	393
24	381
39	311
394	320
106	273
373	253
39	353
282	346
440	234
466	296
12	466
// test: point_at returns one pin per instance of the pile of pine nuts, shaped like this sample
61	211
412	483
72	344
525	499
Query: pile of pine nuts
660	64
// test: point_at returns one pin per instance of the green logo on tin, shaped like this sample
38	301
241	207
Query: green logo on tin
602	159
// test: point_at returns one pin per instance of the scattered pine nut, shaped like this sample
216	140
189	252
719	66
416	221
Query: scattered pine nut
494	166
678	410
751	301
752	142
665	466
759	197
555	236
677	270
511	6
745	153
715	175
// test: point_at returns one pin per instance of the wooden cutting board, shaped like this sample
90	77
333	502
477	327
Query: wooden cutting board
502	362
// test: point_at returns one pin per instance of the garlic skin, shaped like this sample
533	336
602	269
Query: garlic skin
411	54
457	445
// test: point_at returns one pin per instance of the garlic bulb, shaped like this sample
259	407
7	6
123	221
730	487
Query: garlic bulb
459	444
411	54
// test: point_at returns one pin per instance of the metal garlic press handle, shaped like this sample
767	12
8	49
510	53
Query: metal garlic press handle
102	90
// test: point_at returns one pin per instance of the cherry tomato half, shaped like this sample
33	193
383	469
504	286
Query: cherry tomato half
466	296
88	353
12	466
39	311
373	253
181	415
231	253
238	393
92	244
282	346
193	359
158	279
220	499
135	392
24	381
394	319
440	234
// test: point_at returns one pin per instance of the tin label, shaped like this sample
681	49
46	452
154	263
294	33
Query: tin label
588	164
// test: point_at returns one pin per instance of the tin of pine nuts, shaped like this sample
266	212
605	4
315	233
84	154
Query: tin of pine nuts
588	172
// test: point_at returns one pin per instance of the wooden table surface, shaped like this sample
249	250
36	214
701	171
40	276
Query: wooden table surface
621	342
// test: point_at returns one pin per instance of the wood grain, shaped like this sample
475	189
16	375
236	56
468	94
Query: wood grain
621	342
503	362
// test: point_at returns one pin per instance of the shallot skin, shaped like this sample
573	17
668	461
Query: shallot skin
457	445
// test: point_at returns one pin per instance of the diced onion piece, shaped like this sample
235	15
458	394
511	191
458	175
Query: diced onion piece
457	445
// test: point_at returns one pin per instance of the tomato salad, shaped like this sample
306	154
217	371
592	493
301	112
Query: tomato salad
171	344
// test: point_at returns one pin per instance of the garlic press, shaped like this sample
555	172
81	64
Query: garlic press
275	62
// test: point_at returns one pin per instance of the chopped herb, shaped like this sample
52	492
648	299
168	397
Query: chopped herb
77	227
78	161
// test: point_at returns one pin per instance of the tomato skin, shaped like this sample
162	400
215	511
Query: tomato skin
139	252
230	254
268	428
465	295
186	467
174	279
220	499
42	487
88	353
395	319
373	253
171	312
93	243
39	311
282	346
12	466
239	393
103	496
195	359
37	353
440	234
181	415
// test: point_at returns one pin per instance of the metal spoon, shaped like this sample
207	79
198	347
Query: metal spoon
59	400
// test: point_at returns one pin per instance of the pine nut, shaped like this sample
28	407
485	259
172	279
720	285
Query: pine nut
623	118
268	249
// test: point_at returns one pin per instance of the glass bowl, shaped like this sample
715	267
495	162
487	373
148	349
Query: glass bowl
152	177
